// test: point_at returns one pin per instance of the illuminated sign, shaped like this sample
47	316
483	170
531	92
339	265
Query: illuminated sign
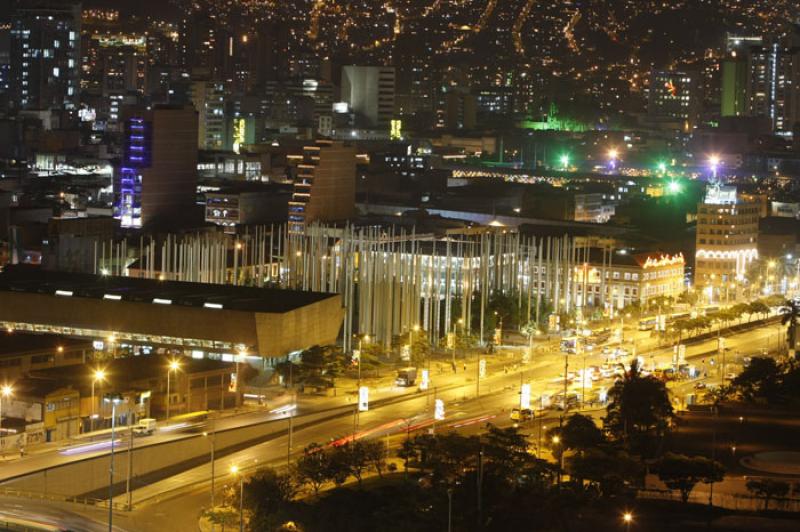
438	412
482	369
424	383
525	396
396	129
363	399
664	260
238	134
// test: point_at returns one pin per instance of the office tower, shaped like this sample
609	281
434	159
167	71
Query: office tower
726	240
734	86
675	95
156	180
369	91
325	187
123	63
45	54
774	88
208	98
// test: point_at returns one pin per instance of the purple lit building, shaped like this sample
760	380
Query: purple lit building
156	180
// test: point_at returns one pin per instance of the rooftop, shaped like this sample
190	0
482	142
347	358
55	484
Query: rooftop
18	343
32	279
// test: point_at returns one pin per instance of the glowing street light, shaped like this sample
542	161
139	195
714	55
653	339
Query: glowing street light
662	167
674	187
627	518
99	375
5	391
174	365
613	154
564	161
713	163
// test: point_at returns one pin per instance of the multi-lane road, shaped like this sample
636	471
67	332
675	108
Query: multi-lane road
178	498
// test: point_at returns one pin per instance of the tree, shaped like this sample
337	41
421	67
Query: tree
758	307
375	454
639	410
767	489
760	380
313	467
611	472
266	494
790	315
581	433
739	310
506	449
682	473
688	297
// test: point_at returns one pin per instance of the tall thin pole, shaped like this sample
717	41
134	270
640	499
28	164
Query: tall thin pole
168	398
130	467
111	469
241	503
449	509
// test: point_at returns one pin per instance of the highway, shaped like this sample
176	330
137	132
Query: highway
394	412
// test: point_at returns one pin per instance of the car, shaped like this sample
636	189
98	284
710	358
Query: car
521	414
700	386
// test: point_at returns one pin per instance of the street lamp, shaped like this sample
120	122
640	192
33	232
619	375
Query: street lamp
174	365
5	391
212	441
99	375
564	159
627	518
235	471
713	163
612	158
114	399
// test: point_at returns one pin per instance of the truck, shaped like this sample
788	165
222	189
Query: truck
145	427
406	377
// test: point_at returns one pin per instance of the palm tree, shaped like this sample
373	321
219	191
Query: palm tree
791	313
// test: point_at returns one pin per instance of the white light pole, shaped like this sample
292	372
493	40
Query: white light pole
174	365
212	440
5	391
114	400
98	376
235	471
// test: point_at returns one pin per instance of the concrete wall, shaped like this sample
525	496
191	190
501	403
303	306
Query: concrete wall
92	474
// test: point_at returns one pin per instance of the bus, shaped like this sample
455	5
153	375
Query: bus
647	324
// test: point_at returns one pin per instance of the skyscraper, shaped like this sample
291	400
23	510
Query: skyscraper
156	181
325	187
45	54
369	91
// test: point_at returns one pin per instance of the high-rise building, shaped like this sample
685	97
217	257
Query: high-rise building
325	186
675	95
208	98
45	54
761	77
369	91
734	86
726	240
156	181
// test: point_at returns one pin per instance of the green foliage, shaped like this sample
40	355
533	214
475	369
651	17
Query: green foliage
266	496
638	412
313	467
682	473
319	366
760	380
